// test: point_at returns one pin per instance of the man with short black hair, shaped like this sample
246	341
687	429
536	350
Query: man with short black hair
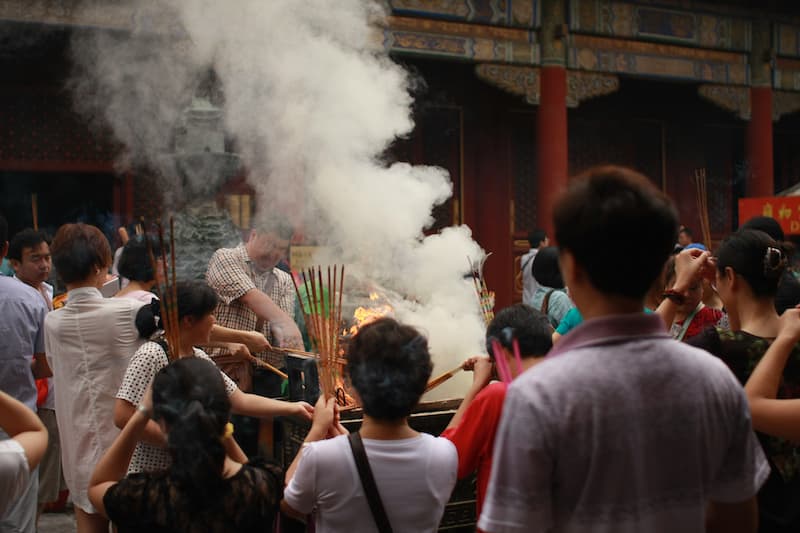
22	314
622	428
29	253
537	239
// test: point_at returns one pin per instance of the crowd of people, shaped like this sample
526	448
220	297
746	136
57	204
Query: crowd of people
647	388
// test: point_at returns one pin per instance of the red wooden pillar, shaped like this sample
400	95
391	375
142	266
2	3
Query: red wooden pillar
551	139
760	181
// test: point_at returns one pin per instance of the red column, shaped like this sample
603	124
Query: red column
760	181
551	139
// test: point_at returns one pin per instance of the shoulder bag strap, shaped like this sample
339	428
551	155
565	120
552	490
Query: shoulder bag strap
368	483
687	322
546	302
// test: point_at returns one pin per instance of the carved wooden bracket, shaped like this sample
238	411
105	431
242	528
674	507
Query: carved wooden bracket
783	103
737	100
524	81
582	86
730	98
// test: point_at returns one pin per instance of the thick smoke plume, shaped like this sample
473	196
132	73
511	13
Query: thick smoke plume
312	102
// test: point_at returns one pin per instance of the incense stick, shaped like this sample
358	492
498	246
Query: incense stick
324	316
264	364
500	362
702	205
517	356
35	210
438	380
485	302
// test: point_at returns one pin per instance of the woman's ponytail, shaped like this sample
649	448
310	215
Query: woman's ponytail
189	396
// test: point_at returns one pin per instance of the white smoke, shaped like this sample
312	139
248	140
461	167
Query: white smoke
312	101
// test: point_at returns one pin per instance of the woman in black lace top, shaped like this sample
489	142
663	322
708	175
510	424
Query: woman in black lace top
203	489
750	265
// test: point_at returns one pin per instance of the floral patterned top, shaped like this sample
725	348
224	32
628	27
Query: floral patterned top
742	351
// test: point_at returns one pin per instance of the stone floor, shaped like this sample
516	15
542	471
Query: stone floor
57	522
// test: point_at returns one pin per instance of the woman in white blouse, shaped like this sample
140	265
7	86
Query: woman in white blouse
88	343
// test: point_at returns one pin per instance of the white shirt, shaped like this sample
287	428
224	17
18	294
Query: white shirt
89	343
414	477
529	283
14	474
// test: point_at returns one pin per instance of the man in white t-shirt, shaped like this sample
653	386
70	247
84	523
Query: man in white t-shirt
537	239
622	429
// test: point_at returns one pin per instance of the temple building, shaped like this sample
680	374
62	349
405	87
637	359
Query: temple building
515	97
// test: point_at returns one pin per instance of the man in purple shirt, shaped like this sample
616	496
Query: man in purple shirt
22	359
622	429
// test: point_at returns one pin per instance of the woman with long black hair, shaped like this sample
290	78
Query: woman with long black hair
203	489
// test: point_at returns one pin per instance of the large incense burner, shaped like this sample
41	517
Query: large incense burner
199	166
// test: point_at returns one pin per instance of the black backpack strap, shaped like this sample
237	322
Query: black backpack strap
368	483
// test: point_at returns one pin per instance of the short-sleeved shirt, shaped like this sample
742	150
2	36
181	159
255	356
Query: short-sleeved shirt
621	429
231	274
22	313
144	365
474	436
14	473
154	502
570	321
557	307
414	478
89	343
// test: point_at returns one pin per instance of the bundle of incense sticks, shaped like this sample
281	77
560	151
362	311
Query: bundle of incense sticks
702	205
322	310
485	297
166	290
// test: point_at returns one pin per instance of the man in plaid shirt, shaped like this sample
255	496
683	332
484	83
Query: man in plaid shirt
253	293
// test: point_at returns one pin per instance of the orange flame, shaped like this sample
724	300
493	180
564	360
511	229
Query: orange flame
366	315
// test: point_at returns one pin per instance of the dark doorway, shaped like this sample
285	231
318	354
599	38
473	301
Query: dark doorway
60	198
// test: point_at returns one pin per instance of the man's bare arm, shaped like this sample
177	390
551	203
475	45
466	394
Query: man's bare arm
22	425
284	330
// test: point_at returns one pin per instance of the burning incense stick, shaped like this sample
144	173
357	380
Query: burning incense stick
702	205
438	380
322	311
485	297
35	210
167	291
